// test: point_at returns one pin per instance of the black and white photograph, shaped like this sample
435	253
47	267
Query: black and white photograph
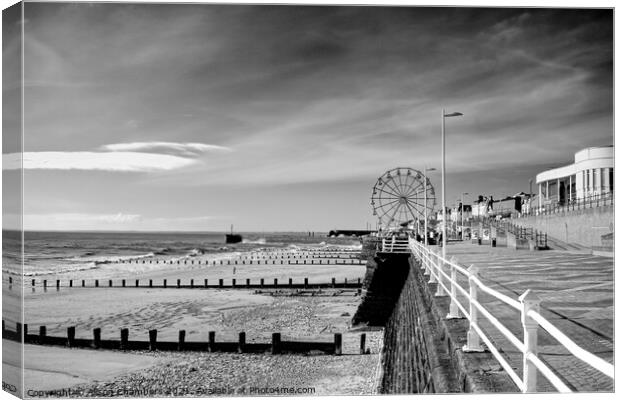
306	199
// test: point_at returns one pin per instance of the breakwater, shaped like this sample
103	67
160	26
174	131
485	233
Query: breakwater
233	283
277	345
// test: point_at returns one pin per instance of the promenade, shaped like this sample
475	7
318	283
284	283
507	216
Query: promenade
577	297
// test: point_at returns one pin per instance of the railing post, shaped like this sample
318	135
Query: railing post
440	278
431	268
454	308
425	259
529	301
473	340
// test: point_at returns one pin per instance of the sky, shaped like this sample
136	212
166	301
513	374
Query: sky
196	117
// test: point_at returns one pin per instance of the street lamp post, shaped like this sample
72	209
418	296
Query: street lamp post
463	215
426	206
443	177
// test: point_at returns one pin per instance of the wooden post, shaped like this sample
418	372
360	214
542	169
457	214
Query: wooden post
181	340
241	342
165	283
338	344
150	283
42	334
276	343
363	343
275	282
153	339
137	282
57	283
333	282
211	341
123	283
290	282
97	338
178	283
221	282
247	282
305	283
83	283
70	336
110	283
191	283
262	282
33	282
124	338
234	282
96	282
70	282
206	283
345	282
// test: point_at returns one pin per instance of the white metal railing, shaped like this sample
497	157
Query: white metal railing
435	266
395	245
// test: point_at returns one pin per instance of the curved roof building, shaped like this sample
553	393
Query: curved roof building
591	174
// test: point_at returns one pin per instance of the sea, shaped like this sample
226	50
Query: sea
68	253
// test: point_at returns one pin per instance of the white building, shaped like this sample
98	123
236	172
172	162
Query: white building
592	174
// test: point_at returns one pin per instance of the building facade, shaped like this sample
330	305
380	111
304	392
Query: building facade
592	174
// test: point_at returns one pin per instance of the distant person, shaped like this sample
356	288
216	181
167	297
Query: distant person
490	204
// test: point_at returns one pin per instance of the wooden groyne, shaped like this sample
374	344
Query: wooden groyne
276	346
233	283
252	261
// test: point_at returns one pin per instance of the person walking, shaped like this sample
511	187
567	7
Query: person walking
490	204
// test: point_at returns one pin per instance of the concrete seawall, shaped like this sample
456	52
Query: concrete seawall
422	349
584	227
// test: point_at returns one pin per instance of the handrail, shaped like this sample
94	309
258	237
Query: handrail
527	305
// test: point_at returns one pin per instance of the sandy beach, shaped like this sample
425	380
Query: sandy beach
198	311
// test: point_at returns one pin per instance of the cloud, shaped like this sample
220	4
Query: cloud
109	221
96	161
182	149
122	157
118	218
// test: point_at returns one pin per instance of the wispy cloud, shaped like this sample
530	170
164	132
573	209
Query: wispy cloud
120	157
94	161
119	221
181	149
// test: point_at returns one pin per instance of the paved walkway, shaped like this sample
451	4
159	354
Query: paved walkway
577	297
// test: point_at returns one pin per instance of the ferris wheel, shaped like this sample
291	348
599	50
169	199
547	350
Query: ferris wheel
398	197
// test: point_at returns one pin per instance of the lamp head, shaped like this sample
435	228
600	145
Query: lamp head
454	114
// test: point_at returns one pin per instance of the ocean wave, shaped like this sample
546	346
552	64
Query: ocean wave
64	269
257	241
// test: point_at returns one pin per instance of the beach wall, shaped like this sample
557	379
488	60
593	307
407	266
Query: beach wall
422	349
584	227
385	276
416	358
